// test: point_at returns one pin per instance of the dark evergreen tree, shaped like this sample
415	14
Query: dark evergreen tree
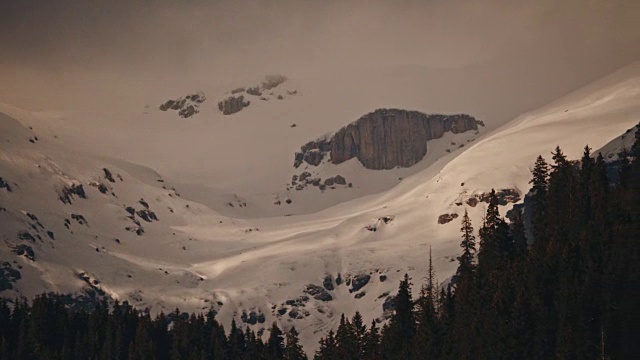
518	234
496	243
399	337
236	341
587	168
539	188
328	348
468	245
293	350
274	349
360	330
372	343
347	342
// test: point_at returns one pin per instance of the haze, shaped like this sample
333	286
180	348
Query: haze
70	55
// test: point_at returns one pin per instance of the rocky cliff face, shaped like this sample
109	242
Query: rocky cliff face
385	138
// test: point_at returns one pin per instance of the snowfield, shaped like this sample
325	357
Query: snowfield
255	256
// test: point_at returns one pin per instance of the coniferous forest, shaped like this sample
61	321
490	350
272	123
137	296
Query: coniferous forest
566	286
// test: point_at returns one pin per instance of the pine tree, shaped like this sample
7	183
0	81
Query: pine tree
328	348
398	339
564	205
431	276
346	340
275	344
372	343
426	340
468	245
539	189
489	233
587	165
236	341
518	234
360	330
293	350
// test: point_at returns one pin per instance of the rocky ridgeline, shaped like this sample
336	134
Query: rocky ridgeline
385	139
186	106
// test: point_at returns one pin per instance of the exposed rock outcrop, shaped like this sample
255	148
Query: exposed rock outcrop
80	219
505	196
446	218
147	215
186	106
25	250
359	281
108	175
254	317
380	222
318	292
300	182
255	91
328	282
232	104
272	81
236	102
67	193
385	138
4	185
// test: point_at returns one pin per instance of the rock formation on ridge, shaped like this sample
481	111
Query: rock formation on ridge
385	138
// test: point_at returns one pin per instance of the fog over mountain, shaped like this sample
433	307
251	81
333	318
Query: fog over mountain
70	54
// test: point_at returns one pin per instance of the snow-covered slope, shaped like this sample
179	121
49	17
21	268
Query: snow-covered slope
196	256
247	157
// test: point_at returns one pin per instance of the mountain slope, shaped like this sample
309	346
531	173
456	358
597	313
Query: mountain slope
275	267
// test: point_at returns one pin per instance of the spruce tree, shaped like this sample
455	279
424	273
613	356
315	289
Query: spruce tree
399	337
347	345
539	189
372	343
489	233
360	330
236	341
468	245
587	165
275	344
328	348
518	234
293	350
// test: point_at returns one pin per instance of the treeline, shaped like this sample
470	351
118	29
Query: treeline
565	289
48	329
569	290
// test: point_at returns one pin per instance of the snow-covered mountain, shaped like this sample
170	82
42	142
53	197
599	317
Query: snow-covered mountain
192	212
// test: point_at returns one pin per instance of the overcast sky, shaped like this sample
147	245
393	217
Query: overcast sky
49	48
